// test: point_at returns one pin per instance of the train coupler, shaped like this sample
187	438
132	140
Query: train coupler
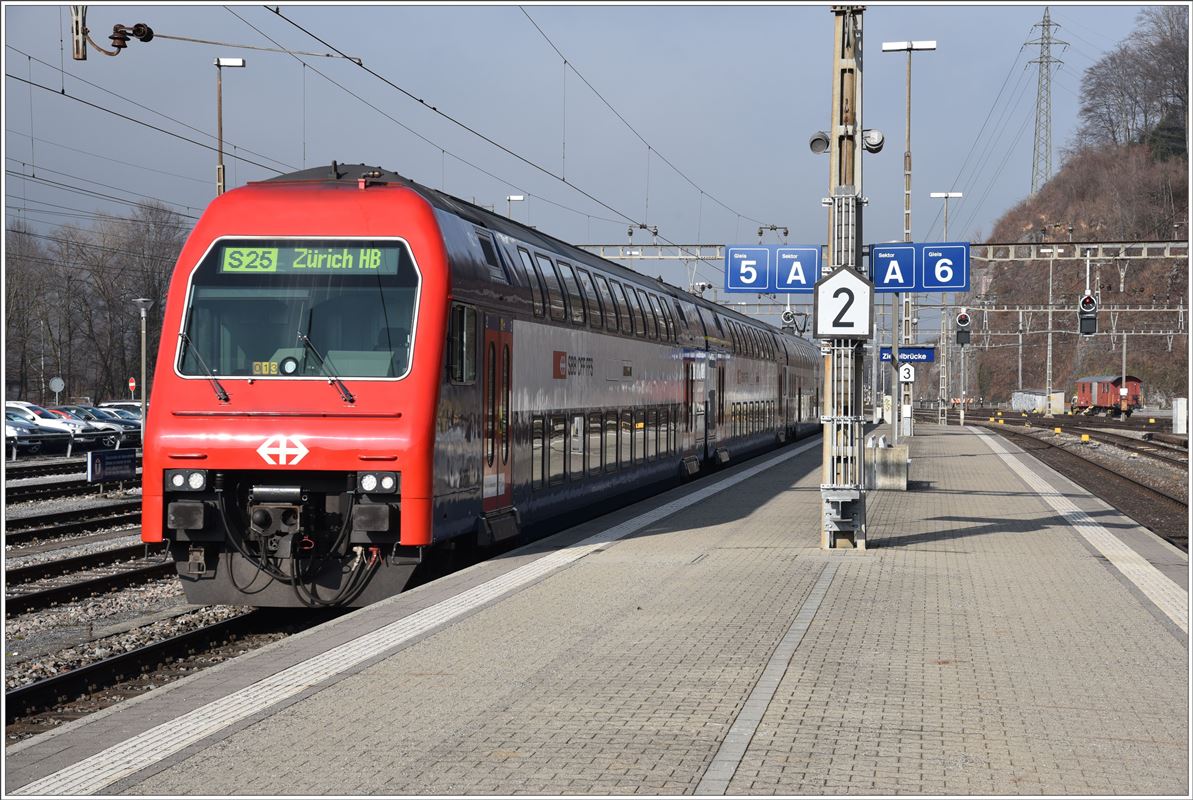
196	564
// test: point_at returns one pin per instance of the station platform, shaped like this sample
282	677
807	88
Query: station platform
1003	633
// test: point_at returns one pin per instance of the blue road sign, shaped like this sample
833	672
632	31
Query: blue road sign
944	266
772	268
797	268
747	269
893	267
909	355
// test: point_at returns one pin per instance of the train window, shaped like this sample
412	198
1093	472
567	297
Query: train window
636	313
672	325
652	433
591	301
504	419
624	311
639	436
535	279
672	420
555	301
612	312
556	450
664	328
576	447
716	319
496	268
610	441
596	428
536	452
491	403
652	324
682	316
626	438
461	344
733	337
575	298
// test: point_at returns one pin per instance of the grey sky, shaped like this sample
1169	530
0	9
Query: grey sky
728	94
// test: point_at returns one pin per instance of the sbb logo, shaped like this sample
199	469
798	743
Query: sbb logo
288	450
559	364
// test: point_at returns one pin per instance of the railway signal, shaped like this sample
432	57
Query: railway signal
1087	315
963	322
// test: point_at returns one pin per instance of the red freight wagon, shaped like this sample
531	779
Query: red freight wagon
1102	394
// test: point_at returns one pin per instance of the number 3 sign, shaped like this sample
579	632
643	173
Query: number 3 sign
843	306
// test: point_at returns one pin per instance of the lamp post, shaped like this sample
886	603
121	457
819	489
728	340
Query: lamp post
144	304
509	203
220	63
909	334
945	196
1052	253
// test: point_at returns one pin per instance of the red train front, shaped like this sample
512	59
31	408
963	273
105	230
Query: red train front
288	446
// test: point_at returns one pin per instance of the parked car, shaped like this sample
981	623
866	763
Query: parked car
49	422
25	435
125	414
113	427
133	406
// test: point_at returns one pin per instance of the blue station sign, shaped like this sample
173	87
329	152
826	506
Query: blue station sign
772	268
920	267
909	355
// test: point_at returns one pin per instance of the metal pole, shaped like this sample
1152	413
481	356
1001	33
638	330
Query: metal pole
963	386
143	312
219	128
1048	387
1020	385
1123	386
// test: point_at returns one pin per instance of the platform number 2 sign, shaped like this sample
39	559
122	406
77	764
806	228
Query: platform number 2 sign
843	306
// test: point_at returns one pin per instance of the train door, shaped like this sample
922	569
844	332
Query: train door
715	384
497	452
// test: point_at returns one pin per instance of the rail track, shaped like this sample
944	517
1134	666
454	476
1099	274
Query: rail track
45	703
1162	513
36	527
59	466
67	488
136	572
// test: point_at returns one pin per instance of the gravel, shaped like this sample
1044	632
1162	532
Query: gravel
14	558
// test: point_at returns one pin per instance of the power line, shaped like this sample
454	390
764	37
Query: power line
97	183
83	191
139	122
108	158
470	129
626	122
141	106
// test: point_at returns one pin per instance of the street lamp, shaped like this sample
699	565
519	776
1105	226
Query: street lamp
220	63
909	334
143	303
509	203
946	196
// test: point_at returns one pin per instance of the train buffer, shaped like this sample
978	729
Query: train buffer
1004	633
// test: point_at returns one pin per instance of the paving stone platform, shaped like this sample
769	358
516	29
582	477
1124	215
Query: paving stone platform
1004	633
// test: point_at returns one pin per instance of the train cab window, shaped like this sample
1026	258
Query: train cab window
461	344
557	452
555	301
535	279
592	302
636	313
612	312
596	429
623	306
575	298
537	434
664	328
610	441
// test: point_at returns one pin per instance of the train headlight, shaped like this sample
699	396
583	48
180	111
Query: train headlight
378	482
186	480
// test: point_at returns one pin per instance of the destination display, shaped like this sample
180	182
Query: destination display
343	258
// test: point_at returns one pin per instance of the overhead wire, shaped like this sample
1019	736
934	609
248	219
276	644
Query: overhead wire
480	135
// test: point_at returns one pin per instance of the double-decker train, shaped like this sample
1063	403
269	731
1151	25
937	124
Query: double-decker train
356	368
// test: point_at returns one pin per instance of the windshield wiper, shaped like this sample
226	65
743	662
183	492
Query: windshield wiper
331	376
215	384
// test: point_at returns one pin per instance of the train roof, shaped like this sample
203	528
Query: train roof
351	174
1106	378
